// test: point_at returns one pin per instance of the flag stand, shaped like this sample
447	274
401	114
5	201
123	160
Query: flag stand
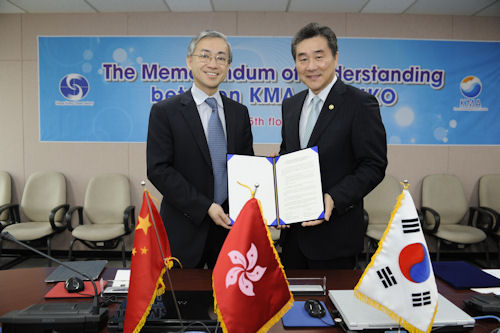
165	260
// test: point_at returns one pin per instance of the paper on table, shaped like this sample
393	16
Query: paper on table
495	290
122	278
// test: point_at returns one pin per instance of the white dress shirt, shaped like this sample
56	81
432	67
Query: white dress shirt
205	110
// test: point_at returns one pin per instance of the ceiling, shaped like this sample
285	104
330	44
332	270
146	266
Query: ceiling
425	7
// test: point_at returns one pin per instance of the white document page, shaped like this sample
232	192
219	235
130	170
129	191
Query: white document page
251	170
494	290
300	195
122	278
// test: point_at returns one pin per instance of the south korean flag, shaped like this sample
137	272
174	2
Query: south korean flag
399	279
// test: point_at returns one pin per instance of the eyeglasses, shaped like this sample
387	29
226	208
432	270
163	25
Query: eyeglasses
207	57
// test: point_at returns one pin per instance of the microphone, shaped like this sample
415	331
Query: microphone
97	314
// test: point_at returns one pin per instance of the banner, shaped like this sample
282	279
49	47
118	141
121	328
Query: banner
100	89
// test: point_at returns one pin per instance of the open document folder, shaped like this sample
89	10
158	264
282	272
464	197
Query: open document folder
289	186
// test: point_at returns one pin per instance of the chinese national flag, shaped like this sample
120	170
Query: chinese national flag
250	288
147	267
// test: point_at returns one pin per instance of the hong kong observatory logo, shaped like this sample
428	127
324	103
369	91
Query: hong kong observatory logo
74	88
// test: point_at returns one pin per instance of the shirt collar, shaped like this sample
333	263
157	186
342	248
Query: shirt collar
323	94
200	96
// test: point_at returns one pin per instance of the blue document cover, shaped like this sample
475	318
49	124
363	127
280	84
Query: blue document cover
298	317
462	275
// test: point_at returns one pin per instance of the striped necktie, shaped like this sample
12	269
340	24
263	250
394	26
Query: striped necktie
218	149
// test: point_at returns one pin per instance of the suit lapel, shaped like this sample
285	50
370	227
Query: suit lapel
329	111
190	113
230	118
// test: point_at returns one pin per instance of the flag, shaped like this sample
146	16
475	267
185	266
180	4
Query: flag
250	288
399	279
147	267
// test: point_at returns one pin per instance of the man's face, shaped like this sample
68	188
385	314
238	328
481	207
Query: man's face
209	63
315	63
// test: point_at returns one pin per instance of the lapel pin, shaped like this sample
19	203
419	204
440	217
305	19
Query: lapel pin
330	106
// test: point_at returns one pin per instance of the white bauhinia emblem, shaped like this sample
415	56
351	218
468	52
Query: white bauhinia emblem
243	273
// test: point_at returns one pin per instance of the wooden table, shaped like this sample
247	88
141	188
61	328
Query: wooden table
20	288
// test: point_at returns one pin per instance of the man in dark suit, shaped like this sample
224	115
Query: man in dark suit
345	123
188	138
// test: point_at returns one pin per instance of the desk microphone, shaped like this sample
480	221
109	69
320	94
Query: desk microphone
94	314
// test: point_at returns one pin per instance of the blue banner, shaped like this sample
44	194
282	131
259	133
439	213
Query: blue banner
100	89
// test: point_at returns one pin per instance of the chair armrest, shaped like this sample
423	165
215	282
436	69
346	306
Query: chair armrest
69	216
129	214
9	218
14	216
52	216
492	214
366	217
437	219
13	211
483	221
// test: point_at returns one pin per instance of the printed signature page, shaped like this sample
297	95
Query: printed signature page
300	196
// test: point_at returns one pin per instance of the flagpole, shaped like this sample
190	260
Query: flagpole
143	184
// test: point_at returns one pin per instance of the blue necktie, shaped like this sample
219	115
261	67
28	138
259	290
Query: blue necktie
218	149
311	121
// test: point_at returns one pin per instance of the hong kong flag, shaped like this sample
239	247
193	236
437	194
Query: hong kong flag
250	288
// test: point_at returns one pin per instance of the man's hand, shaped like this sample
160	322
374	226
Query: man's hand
217	215
329	205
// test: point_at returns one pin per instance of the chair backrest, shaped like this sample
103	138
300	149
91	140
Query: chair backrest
43	191
5	192
106	198
489	191
380	202
445	194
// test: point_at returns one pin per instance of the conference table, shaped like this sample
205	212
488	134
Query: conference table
20	288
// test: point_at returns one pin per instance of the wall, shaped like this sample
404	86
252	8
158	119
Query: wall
22	153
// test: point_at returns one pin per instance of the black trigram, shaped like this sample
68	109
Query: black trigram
421	299
410	225
386	277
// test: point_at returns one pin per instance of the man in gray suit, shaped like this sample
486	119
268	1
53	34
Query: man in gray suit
345	123
188	138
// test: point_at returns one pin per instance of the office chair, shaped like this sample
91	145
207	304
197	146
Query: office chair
444	207
489	207
378	206
108	212
43	203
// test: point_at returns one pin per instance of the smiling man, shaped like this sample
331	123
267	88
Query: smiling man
188	138
345	123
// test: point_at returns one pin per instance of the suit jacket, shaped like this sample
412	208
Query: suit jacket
352	150
179	166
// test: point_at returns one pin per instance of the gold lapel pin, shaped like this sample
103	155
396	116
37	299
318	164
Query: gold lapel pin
330	106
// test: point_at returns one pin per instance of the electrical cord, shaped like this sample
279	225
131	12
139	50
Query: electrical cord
205	327
487	317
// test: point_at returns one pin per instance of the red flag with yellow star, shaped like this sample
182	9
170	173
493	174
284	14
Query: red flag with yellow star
147	267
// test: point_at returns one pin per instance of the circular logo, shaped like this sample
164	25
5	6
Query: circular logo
471	86
74	87
414	263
